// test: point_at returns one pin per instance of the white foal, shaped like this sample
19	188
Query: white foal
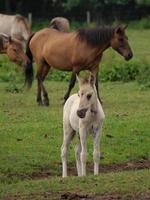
82	114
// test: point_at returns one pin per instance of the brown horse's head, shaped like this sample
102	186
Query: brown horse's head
119	42
16	53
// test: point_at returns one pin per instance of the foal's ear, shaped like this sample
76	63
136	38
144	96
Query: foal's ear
92	79
77	77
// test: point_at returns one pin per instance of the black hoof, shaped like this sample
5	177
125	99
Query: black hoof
40	104
46	102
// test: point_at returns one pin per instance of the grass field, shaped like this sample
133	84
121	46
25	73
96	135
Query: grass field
31	137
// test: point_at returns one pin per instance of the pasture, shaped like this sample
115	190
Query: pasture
31	137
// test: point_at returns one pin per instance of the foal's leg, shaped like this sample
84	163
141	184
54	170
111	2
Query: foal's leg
83	155
78	159
96	152
68	136
71	85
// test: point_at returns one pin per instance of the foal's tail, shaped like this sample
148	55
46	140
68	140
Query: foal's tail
28	70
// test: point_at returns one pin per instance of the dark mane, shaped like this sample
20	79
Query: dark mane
95	36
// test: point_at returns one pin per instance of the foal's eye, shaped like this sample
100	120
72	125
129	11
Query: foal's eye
89	96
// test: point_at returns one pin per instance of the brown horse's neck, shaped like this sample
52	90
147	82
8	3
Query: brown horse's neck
97	37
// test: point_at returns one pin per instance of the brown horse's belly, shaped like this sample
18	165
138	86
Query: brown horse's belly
58	61
62	68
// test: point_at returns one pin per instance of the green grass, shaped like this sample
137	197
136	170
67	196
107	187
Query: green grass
123	183
31	137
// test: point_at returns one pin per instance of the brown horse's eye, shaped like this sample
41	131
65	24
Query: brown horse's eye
121	40
15	50
89	96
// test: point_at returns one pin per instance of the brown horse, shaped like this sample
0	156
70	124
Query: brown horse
75	51
15	51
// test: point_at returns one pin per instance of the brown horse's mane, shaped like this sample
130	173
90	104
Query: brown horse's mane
95	36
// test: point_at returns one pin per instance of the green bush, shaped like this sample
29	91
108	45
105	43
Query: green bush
143	23
14	88
144	76
121	72
56	75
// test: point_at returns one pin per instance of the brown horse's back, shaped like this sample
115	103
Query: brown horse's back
53	47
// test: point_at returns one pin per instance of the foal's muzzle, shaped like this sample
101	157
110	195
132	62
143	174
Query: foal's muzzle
82	112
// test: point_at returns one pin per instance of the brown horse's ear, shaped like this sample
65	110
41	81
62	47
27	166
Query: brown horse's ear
125	26
119	30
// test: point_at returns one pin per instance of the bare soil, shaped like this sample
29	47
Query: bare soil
76	196
45	173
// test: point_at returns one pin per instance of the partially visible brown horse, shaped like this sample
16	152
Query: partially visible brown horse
75	51
14	50
60	24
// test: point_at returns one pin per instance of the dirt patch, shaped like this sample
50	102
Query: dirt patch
77	196
45	173
74	196
144	164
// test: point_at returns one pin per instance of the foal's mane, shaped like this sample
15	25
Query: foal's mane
95	36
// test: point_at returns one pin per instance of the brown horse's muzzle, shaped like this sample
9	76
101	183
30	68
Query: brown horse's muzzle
128	56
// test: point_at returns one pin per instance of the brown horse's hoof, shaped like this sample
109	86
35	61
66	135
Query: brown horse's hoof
40	103
45	102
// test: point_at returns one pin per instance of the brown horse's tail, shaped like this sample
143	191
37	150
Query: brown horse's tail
28	69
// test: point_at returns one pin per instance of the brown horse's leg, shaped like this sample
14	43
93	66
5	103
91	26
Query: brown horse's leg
71	85
39	98
45	71
97	88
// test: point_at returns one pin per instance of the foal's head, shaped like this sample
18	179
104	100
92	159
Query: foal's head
88	96
119	42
